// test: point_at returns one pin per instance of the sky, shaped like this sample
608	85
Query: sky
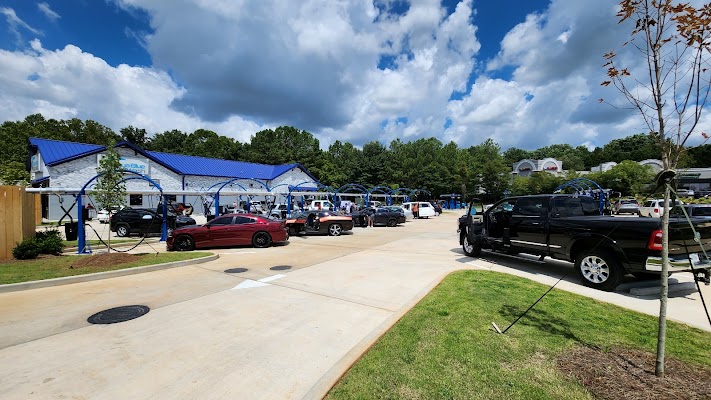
525	73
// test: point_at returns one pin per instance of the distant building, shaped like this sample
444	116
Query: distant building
527	167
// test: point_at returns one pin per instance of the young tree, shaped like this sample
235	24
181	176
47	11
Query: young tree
110	189
669	91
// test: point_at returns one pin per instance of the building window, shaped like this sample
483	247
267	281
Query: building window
136	200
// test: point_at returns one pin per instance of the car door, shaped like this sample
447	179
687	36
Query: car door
527	227
498	220
220	231
243	230
145	222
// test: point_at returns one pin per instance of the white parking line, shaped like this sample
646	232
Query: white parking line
248	283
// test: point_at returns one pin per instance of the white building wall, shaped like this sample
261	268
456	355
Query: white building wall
76	173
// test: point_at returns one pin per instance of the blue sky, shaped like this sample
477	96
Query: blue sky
523	72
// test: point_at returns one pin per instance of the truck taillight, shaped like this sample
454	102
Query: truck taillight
656	211
655	240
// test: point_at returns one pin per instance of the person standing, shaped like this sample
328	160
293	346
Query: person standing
371	217
416	210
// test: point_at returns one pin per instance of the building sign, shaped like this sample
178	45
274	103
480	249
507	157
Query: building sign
551	168
688	175
137	165
35	163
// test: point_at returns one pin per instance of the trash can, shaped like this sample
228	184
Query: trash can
85	214
71	230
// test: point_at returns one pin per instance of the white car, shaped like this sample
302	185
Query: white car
103	216
425	209
320	205
655	208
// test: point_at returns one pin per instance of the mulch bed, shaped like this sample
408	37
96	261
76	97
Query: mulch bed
105	260
629	374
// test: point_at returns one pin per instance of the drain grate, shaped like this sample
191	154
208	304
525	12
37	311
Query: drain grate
118	314
236	270
280	267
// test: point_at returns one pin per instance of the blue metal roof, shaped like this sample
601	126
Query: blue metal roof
56	151
203	166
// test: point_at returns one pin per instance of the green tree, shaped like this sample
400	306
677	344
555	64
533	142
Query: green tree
173	141
513	155
134	135
627	177
670	93
491	174
110	189
636	148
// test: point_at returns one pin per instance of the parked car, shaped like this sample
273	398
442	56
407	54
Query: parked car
280	211
655	208
425	209
692	210
626	206
320	205
603	248
144	221
319	222
684	192
229	230
407	213
103	216
381	216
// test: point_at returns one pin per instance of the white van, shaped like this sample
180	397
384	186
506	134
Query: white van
321	205
425	209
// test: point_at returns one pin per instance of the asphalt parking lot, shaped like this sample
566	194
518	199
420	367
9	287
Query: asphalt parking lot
282	322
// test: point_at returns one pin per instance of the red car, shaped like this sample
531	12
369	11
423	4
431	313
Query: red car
229	230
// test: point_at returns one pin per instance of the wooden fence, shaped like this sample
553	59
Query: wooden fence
17	218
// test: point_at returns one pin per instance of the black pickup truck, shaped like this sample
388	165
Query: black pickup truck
570	227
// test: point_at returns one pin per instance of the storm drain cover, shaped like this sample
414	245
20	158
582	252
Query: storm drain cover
280	267
235	270
118	314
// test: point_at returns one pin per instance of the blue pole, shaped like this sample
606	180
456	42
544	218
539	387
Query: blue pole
217	204
80	229
164	227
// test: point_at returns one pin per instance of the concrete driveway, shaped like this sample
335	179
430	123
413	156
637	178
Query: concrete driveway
265	333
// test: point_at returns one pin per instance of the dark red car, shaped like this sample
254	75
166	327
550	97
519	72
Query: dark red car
229	230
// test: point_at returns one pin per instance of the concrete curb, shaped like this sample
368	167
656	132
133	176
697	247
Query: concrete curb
321	388
15	287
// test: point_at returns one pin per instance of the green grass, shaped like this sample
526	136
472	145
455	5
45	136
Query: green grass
96	242
445	347
59	266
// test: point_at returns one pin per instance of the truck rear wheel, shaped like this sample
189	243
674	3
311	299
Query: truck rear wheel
472	249
599	269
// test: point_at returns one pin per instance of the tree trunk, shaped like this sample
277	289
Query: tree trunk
664	288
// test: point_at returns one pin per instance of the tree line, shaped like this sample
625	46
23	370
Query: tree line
429	164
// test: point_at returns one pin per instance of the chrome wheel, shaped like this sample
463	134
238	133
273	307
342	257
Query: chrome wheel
122	231
335	229
595	269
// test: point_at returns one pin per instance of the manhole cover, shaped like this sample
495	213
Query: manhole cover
280	267
118	314
235	270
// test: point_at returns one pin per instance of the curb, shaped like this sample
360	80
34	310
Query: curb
15	287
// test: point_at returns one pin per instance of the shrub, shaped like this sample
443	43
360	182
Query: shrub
26	250
50	241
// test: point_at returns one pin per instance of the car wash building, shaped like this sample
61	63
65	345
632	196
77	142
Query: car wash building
68	165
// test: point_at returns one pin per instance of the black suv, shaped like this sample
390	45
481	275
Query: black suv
142	221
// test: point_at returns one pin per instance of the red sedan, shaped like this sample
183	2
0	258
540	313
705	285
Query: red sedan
229	230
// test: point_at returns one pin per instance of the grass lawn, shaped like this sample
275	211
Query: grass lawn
49	267
445	347
96	242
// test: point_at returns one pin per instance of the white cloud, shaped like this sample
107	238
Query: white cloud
69	83
48	12
16	25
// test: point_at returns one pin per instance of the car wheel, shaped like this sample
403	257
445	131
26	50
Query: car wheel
184	243
122	231
335	230
599	269
392	222
261	240
472	249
